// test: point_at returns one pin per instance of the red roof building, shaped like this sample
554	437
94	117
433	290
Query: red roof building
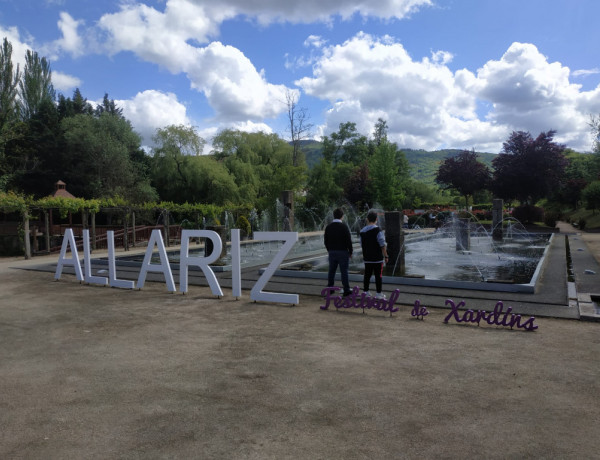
60	190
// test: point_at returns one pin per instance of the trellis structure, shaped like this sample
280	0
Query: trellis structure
27	207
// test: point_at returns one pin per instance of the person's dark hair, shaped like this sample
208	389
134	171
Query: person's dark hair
372	216
338	213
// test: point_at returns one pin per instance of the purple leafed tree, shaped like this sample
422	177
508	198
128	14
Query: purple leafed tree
464	173
528	169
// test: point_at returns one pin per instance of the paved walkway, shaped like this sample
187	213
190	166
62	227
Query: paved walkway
585	253
93	372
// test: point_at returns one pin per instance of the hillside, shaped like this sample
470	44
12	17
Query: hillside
423	164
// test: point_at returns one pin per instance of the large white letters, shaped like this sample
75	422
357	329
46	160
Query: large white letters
87	265
163	267
112	269
236	264
185	260
257	293
68	240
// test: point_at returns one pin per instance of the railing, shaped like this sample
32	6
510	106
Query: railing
9	228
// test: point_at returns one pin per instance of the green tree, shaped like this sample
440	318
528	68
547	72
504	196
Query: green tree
595	163
108	106
262	165
9	81
31	145
178	139
388	172
464	173
591	196
323	190
357	187
100	158
79	105
214	183
174	174
595	126
31	151
346	145
380	132
579	171
418	192
44	143
181	174
35	86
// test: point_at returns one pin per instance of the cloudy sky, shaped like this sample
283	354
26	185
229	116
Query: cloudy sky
442	73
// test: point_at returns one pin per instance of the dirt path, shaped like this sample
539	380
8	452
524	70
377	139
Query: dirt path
94	372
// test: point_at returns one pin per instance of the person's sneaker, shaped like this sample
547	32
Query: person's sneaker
380	295
347	293
367	293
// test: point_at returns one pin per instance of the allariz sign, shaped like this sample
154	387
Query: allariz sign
355	300
186	261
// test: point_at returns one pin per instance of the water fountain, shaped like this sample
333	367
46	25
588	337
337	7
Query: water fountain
461	253
265	221
440	258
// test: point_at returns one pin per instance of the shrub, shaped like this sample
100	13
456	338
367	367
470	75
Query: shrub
528	214
244	225
487	215
550	218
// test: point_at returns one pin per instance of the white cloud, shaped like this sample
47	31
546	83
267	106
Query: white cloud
19	45
177	36
425	103
233	86
153	109
529	93
366	78
159	37
70	42
428	106
315	41
63	82
585	72
268	11
250	127
441	57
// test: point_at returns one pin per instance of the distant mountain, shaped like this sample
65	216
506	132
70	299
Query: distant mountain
313	152
423	164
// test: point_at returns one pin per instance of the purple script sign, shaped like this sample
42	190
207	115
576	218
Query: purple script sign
356	300
418	310
497	317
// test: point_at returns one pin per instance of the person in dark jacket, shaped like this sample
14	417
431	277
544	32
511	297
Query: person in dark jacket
338	243
375	254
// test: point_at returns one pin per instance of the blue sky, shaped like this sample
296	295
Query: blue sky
442	73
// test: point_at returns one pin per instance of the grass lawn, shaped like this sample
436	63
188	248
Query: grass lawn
592	219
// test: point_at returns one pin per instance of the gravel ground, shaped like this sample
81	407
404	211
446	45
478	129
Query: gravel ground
94	372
